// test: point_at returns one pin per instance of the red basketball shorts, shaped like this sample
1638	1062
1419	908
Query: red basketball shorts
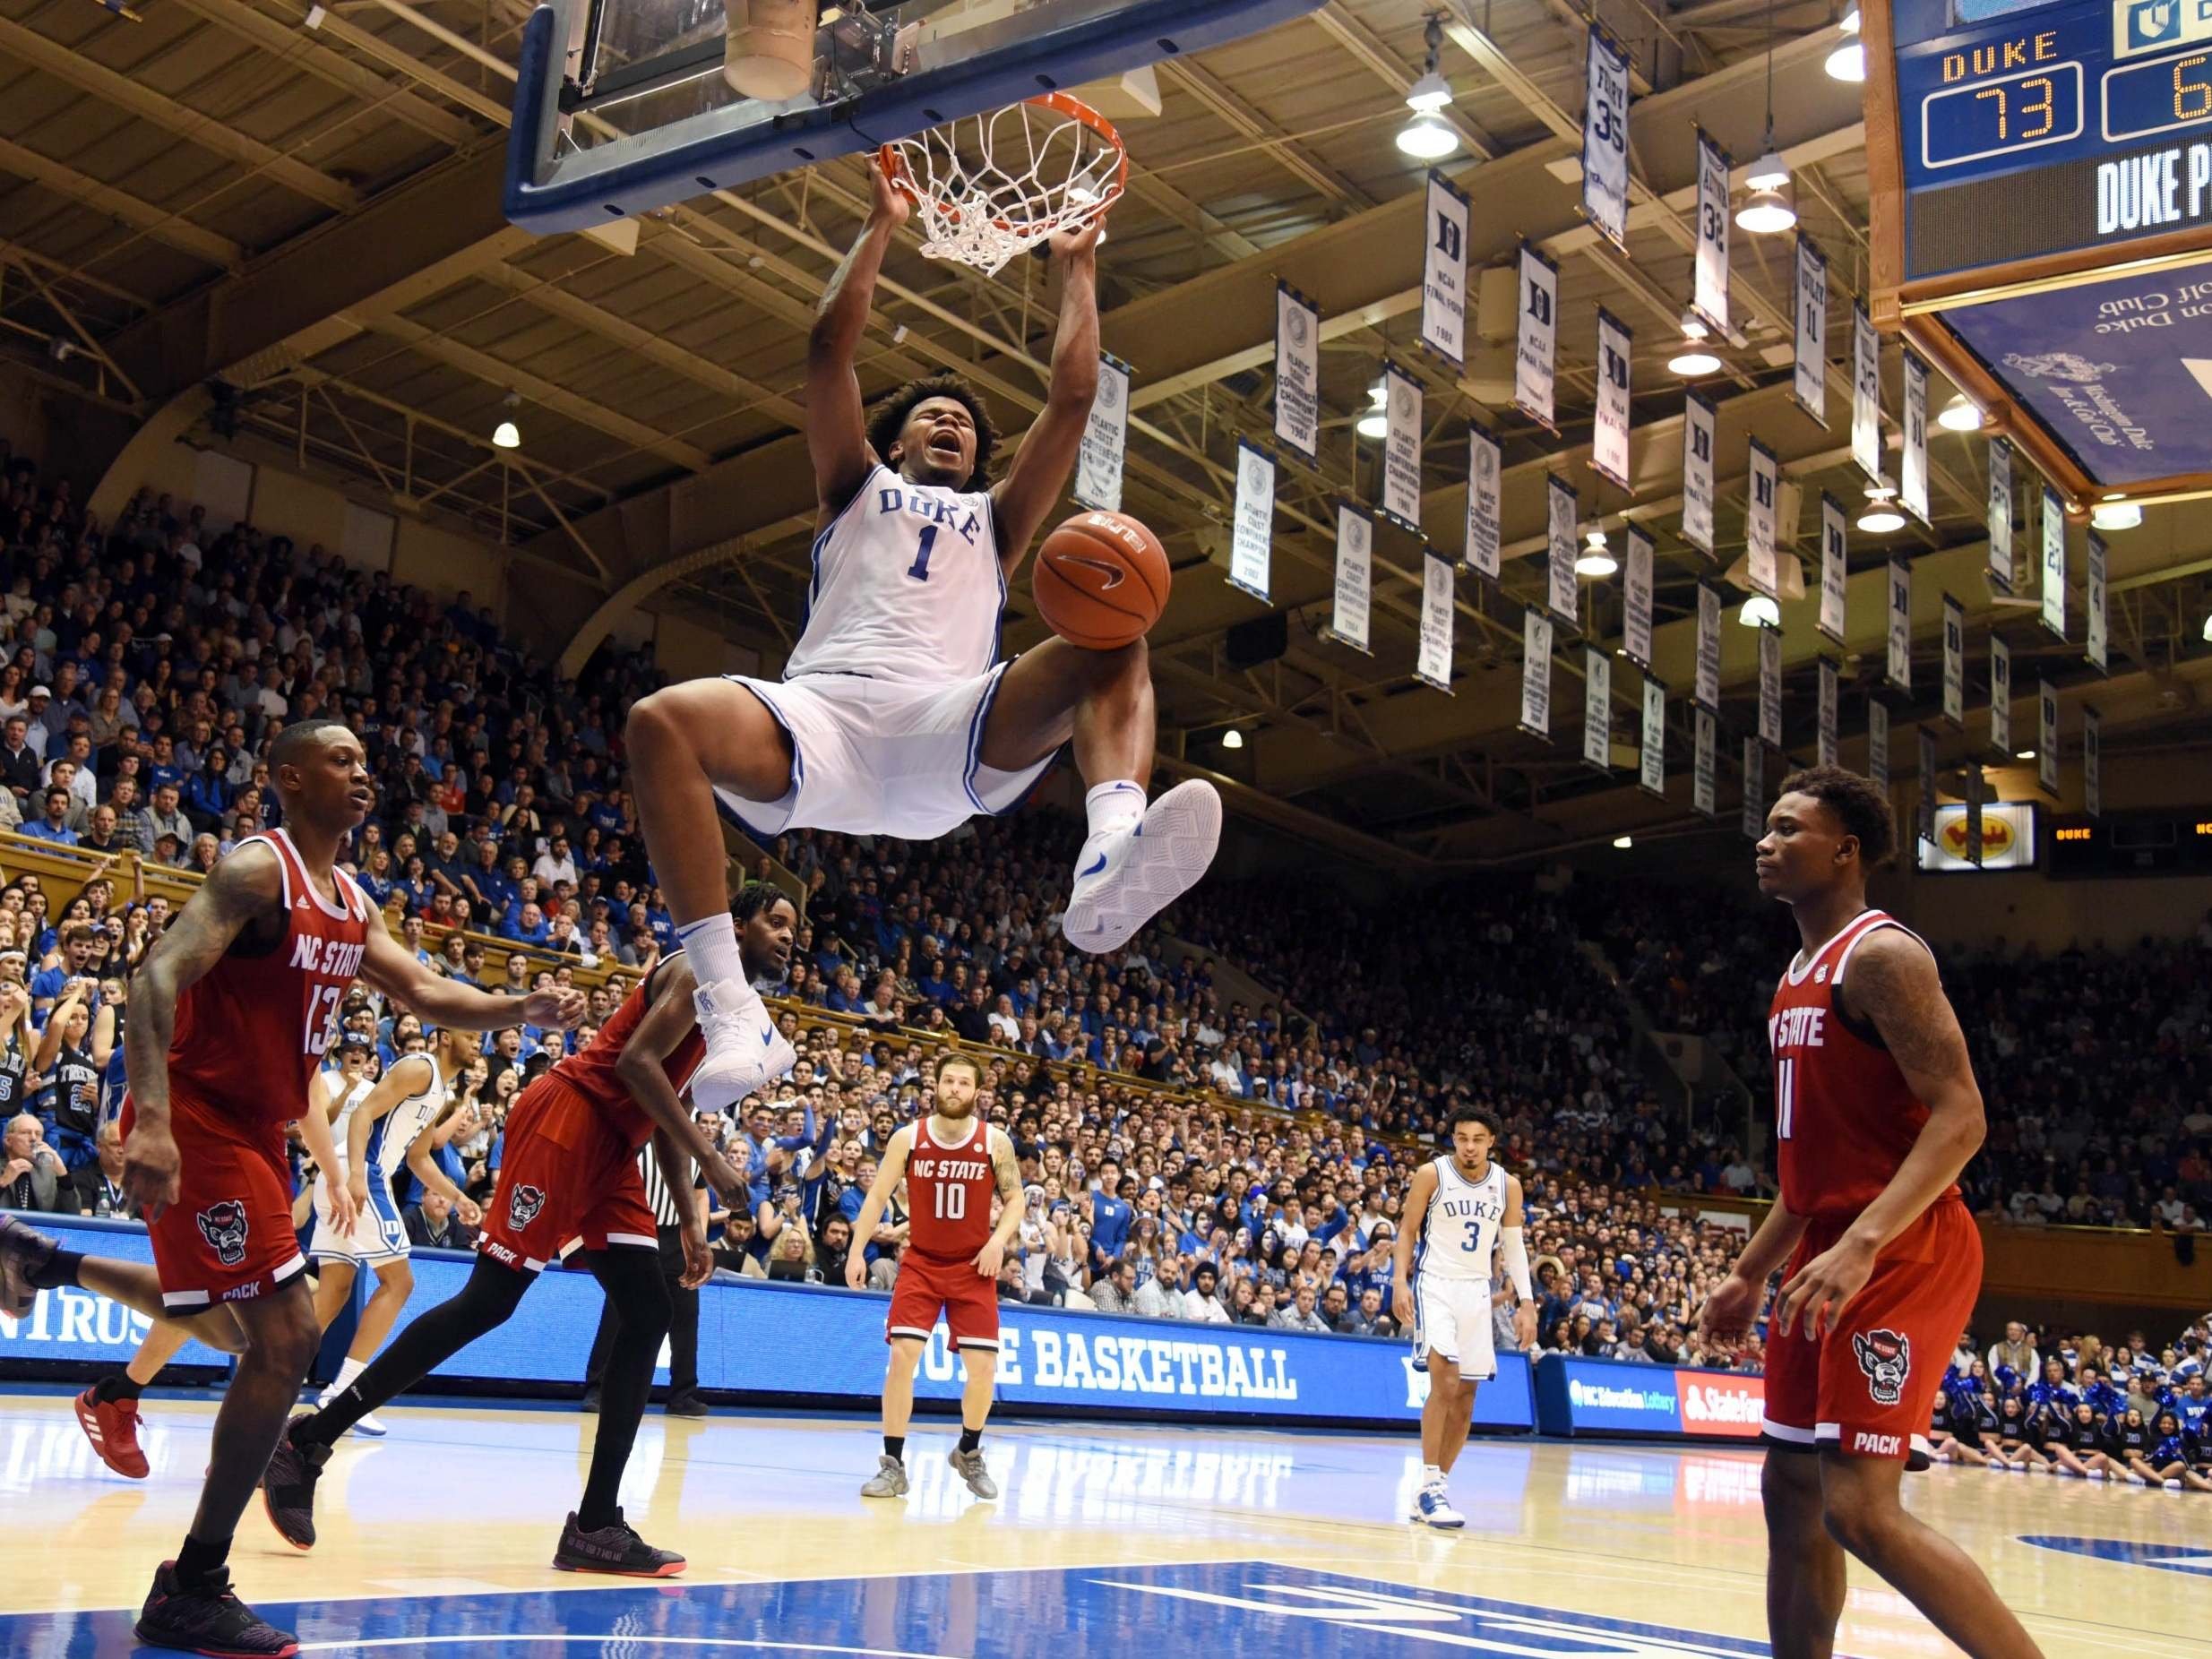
228	1237
926	1288
1867	1388
567	1181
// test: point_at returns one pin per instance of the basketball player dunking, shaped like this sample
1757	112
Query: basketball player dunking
1465	1211
569	1185
894	716
952	1162
231	1012
1876	1113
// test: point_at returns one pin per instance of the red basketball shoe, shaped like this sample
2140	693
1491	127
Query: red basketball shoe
112	1427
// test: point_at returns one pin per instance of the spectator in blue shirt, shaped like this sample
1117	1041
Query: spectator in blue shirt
55	825
1110	1215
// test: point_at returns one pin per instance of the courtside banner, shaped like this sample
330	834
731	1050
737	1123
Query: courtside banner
1604	139
1809	373
1609	438
1105	439
1486	503
1865	393
1536	359
1709	295
1251	537
1297	373
1578	1396
2000	515
1355	575
1913	460
1443	279
82	1325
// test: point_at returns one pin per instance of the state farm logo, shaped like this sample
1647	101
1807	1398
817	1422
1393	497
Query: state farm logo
1723	1406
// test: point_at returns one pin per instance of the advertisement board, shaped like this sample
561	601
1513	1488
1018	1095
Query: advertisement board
81	1325
1607	1396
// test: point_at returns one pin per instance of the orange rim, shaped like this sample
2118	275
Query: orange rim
895	169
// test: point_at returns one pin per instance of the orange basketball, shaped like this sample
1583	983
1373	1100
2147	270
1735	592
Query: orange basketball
1101	580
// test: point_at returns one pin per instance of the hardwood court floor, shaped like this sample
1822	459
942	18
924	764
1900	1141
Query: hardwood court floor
1125	1540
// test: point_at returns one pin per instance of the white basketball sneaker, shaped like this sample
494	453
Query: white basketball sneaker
745	1050
1434	1507
1125	878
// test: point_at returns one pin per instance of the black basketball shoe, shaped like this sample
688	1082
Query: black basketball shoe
616	1549
206	1617
24	1253
287	1486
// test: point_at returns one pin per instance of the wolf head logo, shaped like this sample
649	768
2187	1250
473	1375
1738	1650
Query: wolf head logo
223	1226
523	1205
1886	1356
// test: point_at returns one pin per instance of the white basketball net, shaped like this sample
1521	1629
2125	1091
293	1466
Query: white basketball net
986	187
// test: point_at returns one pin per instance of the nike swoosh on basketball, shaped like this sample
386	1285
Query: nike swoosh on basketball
1114	573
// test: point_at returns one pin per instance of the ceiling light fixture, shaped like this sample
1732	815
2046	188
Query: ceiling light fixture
1426	138
1847	62
1760	612
1882	515
2115	515
1961	414
1624	841
1376	422
2023	754
1231	739
1596	560
1693	359
1767	212
507	435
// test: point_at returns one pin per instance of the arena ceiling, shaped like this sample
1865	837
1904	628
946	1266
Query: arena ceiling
282	222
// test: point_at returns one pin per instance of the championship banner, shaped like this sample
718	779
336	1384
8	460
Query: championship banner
1486	503
1831	696
2000	696
1536	673
1925	815
1597	709
1754	803
1536	359
1443	279
1913	464
1635	600
1766	479
1604	139
1878	743
1401	449
1898	670
1974	812
1297	373
2096	607
1105	440
1251	537
1835	570
2053	562
1698	418
1865	393
1954	662
1355	578
1433	665
1563	513
1609	437
1706	690
1771	686
1651	764
2048	738
1709	296
1808	378
1703	795
2092	759
2000	515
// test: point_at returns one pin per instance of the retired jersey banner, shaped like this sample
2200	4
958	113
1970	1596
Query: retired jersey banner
1699	419
2000	695
1765	483
1609	436
1355	578
1297	373
1754	802
1597	709
1651	764
1835	567
1604	139
2094	609
2048	738
1925	815
1703	795
1808	378
1635	600
2053	562
2000	515
1536	359
1898	668
1536	673
1708	295
1954	661
1878	743
1913	460
1830	713
1486	503
1251	541
1563	513
2092	762
1865	393
1443	279
1432	666
1771	687
1105	440
1706	690
1401	448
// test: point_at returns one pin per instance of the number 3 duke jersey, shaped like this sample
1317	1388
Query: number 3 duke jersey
1460	1232
906	586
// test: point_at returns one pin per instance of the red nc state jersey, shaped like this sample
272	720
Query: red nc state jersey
949	1189
592	1072
250	1031
1844	1117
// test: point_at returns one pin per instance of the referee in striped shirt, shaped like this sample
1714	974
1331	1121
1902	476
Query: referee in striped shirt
683	1399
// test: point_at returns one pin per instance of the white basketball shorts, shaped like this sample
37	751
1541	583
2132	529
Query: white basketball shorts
1451	1318
377	1235
882	757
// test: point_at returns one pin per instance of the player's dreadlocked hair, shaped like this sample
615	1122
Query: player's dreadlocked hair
755	898
1864	808
890	418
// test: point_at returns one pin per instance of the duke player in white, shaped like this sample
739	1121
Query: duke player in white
1462	1216
894	716
381	1126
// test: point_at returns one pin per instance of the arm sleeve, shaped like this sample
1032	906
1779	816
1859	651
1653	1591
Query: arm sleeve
1514	1248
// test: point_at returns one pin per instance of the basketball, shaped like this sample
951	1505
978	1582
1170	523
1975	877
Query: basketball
1101	580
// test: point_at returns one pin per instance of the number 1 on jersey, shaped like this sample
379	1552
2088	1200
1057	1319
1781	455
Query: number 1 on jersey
919	569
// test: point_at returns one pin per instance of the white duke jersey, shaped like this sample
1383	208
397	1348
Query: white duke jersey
340	1124
1460	1232
393	1133
906	586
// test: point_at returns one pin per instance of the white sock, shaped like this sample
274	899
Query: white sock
712	942
1112	806
347	1372
1431	1473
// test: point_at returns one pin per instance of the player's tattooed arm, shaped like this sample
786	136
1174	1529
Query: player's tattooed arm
1007	1169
